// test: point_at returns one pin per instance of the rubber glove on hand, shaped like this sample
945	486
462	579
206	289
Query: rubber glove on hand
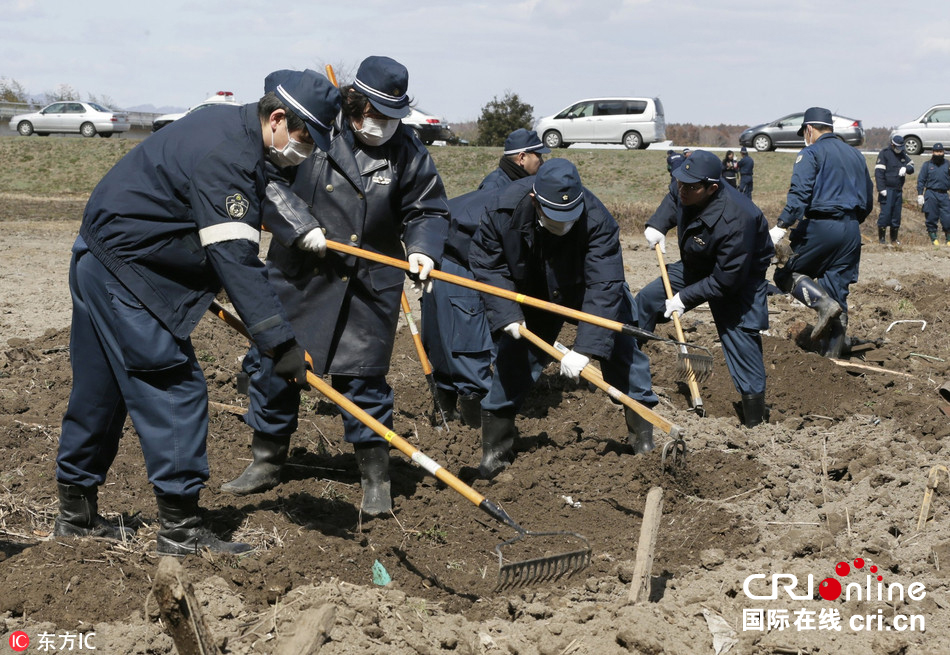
674	304
289	364
920	201
882	193
777	233
512	329
314	241
653	237
420	265
573	363
903	171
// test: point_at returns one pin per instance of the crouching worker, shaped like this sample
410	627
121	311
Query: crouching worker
377	188
549	237
175	220
725	251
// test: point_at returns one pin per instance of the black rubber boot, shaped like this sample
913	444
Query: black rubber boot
882	235
933	238
498	439
183	532
894	240
79	515
447	401
639	432
838	337
754	410
263	473
470	409
373	459
812	295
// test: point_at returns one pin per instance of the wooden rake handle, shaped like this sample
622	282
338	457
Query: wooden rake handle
690	374
594	376
416	338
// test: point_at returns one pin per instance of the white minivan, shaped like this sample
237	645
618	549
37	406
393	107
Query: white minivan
634	122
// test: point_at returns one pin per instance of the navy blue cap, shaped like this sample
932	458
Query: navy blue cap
938	146
384	82
744	150
816	116
522	140
701	166
311	97
557	186
898	141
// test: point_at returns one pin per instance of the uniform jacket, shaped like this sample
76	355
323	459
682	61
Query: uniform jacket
725	249
934	177
745	166
180	215
830	180
888	165
388	199
497	179
582	269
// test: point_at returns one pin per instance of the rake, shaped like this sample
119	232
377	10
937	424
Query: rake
516	573
438	412
697	360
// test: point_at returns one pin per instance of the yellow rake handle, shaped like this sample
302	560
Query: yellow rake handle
690	374
416	339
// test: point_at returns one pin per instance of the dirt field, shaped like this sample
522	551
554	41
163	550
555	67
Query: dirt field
838	474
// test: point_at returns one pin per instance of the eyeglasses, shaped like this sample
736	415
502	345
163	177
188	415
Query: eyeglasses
691	188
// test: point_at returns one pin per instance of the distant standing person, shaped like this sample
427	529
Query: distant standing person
730	169
891	169
745	166
673	160
523	156
932	185
831	194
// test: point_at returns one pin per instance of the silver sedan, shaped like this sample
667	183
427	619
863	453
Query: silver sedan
70	116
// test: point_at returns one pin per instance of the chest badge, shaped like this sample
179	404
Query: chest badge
236	205
379	179
699	241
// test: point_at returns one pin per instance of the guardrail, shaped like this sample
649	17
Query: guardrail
10	109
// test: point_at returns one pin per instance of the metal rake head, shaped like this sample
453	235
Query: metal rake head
691	364
541	569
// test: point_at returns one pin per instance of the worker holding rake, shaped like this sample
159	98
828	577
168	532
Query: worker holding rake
549	237
725	251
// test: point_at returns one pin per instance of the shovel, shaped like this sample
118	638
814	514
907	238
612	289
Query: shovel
691	368
438	412
521	298
510	574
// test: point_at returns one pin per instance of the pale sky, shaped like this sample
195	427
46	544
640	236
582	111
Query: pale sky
737	62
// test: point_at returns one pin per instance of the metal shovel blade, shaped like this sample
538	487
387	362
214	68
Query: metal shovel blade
541	569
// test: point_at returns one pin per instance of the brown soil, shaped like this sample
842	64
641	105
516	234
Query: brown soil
839	473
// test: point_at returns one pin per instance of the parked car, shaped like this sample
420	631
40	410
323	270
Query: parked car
783	133
634	122
932	127
70	116
429	128
221	97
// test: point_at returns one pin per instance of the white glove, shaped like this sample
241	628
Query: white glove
653	237
674	304
777	233
512	329
573	363
883	193
903	171
920	201
314	241
421	265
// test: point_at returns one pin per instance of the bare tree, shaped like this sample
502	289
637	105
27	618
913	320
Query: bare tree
12	91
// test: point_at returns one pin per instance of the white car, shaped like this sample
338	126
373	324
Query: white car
72	117
634	122
219	98
428	128
932	127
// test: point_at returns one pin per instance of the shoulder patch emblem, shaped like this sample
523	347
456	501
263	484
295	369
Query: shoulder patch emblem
799	159
236	205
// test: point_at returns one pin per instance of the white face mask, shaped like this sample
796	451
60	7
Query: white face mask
292	154
376	131
557	228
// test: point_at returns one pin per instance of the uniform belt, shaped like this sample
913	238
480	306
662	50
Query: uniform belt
938	190
830	217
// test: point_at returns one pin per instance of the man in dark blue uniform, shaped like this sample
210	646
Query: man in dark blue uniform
673	160
522	157
831	194
725	251
173	221
891	169
551	238
745	167
375	187
932	185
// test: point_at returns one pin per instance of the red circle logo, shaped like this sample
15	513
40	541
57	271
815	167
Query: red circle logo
19	641
829	589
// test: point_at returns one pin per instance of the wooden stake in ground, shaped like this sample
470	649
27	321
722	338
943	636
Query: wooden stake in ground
643	568
180	611
310	631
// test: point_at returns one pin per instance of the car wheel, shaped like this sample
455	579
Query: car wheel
632	141
762	143
25	128
87	129
552	139
912	145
